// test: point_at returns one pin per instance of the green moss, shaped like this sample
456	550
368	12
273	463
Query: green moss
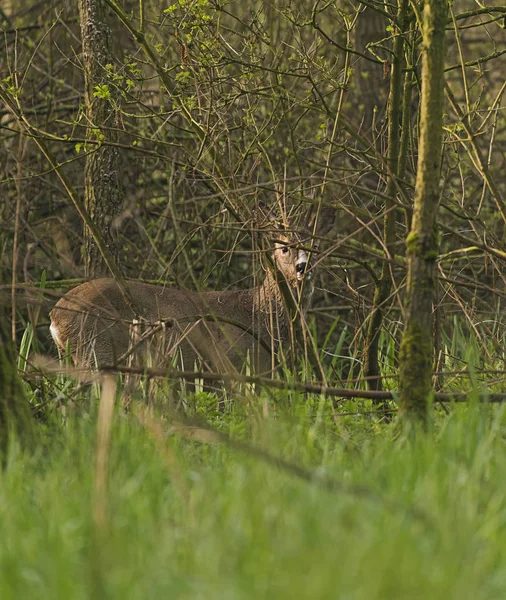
416	372
412	243
426	247
431	254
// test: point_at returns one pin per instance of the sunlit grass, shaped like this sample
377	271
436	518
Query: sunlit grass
232	495
422	518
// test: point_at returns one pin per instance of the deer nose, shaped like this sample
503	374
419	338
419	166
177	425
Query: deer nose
301	267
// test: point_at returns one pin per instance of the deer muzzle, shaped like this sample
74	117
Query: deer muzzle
302	266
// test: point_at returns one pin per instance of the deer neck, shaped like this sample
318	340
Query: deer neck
269	307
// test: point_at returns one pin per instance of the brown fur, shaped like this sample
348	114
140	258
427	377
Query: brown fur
222	330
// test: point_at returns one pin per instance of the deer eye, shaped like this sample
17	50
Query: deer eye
284	249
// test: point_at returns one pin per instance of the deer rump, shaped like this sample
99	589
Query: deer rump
177	328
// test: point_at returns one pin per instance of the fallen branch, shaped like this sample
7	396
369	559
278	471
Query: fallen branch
314	388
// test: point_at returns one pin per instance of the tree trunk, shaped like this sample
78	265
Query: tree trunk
371	360
370	80
422	242
103	190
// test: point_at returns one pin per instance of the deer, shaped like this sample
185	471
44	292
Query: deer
220	331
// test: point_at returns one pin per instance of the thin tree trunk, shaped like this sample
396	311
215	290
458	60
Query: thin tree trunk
103	190
382	292
371	83
416	353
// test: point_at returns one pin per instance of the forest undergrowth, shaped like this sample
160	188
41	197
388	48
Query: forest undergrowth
280	494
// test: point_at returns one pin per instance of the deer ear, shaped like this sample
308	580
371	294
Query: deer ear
267	217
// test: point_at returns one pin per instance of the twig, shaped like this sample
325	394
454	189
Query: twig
295	386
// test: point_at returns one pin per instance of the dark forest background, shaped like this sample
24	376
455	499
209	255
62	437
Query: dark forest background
169	122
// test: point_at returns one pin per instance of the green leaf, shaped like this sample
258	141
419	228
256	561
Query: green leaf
102	91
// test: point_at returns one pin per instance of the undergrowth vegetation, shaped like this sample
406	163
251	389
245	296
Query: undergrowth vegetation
285	503
277	494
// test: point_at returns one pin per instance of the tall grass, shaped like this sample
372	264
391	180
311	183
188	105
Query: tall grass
191	517
282	495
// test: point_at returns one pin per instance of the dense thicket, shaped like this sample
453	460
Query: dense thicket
214	106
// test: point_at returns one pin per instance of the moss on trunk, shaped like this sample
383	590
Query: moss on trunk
422	242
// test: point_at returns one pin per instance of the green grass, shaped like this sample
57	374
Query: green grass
196	520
